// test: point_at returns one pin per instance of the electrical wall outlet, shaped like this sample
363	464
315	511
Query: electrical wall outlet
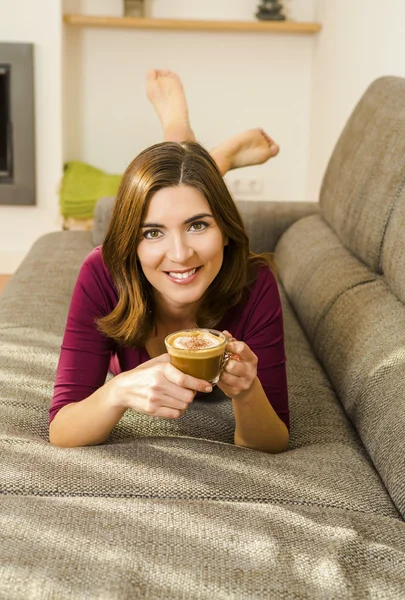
246	187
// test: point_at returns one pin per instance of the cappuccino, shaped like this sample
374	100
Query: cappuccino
194	340
197	352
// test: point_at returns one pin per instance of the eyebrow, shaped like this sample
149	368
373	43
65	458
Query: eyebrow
190	220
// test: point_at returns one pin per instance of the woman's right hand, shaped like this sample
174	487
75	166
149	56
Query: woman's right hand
156	388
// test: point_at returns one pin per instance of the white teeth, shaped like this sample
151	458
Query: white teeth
182	275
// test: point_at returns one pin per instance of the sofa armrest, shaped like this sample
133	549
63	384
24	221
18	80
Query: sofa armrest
102	216
265	221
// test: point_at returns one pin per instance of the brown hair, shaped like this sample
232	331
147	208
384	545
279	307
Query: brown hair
164	165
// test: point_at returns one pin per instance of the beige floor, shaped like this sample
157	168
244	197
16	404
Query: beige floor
3	281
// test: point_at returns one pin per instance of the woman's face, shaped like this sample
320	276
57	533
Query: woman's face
181	247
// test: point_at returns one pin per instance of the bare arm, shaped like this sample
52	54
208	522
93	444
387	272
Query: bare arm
155	388
87	422
257	424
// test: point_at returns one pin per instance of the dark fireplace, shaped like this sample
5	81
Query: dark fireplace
6	152
17	131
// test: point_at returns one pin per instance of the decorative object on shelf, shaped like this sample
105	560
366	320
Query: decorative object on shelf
270	10
134	8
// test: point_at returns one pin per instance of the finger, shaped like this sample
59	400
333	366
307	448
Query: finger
242	350
186	381
170	402
236	368
165	401
228	386
228	335
231	384
168	413
176	392
233	357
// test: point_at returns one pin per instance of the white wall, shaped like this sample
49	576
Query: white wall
360	41
38	22
233	81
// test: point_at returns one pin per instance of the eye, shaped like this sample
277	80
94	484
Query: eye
198	226
152	234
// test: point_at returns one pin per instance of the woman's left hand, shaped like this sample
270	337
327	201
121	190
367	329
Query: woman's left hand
240	371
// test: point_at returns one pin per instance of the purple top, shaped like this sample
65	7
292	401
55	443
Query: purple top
86	353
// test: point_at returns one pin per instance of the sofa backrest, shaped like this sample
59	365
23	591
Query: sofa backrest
365	178
344	272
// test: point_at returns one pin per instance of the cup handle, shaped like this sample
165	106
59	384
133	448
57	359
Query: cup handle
226	357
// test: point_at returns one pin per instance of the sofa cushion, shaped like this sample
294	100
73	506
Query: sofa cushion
361	343
355	324
315	269
39	293
165	549
366	172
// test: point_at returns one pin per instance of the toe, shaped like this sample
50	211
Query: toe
266	137
274	149
152	74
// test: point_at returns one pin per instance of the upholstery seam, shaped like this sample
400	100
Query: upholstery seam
393	205
272	502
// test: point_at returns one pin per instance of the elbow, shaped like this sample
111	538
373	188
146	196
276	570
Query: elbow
271	446
53	439
62	443
281	447
269	449
57	439
59	435
282	442
61	439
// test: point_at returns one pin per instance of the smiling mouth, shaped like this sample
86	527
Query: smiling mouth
185	275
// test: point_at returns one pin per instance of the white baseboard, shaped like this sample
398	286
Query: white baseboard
10	260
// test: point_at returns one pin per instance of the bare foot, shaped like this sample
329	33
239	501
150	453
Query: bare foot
251	147
165	90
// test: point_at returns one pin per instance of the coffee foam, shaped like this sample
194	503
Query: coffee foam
195	340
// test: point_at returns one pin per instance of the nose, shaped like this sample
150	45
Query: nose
179	250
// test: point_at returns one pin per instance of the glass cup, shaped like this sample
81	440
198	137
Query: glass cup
198	352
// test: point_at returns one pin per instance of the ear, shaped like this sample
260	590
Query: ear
225	240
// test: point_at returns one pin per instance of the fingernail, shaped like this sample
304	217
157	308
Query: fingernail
208	388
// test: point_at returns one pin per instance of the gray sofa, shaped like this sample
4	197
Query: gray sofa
172	509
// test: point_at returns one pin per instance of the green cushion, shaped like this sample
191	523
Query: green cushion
82	185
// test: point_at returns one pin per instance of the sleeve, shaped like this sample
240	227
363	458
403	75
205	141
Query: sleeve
264	334
85	352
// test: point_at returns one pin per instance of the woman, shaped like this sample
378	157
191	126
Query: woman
176	256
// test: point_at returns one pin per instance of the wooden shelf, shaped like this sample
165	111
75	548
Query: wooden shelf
186	25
